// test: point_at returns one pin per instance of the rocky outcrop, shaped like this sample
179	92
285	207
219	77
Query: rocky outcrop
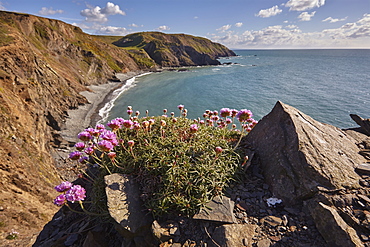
44	64
174	50
327	207
301	156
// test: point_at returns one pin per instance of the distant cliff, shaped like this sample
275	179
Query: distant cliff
44	64
173	50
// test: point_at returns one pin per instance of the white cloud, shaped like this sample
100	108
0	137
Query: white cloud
360	29
332	20
305	16
196	17
264	13
239	24
135	25
291	26
349	35
98	14
224	28
1	6
109	30
163	28
49	11
302	5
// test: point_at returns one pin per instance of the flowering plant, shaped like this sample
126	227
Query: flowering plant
179	163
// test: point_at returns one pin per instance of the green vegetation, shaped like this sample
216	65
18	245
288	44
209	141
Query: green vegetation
5	38
180	164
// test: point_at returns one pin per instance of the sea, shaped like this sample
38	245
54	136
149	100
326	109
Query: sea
327	85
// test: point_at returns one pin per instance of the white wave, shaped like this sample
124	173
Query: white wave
104	111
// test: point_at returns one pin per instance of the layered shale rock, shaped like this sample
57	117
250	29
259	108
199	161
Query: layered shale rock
301	156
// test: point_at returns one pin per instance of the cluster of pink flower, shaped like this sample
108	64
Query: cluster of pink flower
105	140
70	192
227	116
96	138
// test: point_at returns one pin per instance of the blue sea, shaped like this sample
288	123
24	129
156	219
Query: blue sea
327	85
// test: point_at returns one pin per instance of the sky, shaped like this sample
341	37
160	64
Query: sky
238	24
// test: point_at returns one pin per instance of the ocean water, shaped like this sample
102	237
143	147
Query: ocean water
327	85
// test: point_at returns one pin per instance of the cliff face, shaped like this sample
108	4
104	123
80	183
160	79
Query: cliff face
44	65
174	50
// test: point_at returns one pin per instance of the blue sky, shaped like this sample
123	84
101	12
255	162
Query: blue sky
238	24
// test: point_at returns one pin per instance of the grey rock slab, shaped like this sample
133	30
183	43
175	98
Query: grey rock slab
124	203
233	235
331	226
218	209
271	220
298	154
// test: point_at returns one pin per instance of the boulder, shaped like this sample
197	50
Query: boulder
124	203
233	235
364	123
299	154
219	209
332	227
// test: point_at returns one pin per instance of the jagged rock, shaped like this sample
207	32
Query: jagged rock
124	203
234	235
364	123
221	209
264	243
332	227
271	220
166	230
298	154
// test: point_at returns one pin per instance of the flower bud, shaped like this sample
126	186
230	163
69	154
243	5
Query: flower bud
218	150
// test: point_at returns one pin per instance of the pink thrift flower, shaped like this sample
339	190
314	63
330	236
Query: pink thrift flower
234	112
80	146
84	136
76	193
136	126
114	124
64	186
89	151
83	159
60	200
225	112
243	115
131	143
145	124
128	124
218	150
108	135
100	127
105	145
75	155
193	128
112	155
180	107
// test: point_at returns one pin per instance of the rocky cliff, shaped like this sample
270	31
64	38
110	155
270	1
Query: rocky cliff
44	65
173	50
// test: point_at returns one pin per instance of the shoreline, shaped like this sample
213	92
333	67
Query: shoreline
87	115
